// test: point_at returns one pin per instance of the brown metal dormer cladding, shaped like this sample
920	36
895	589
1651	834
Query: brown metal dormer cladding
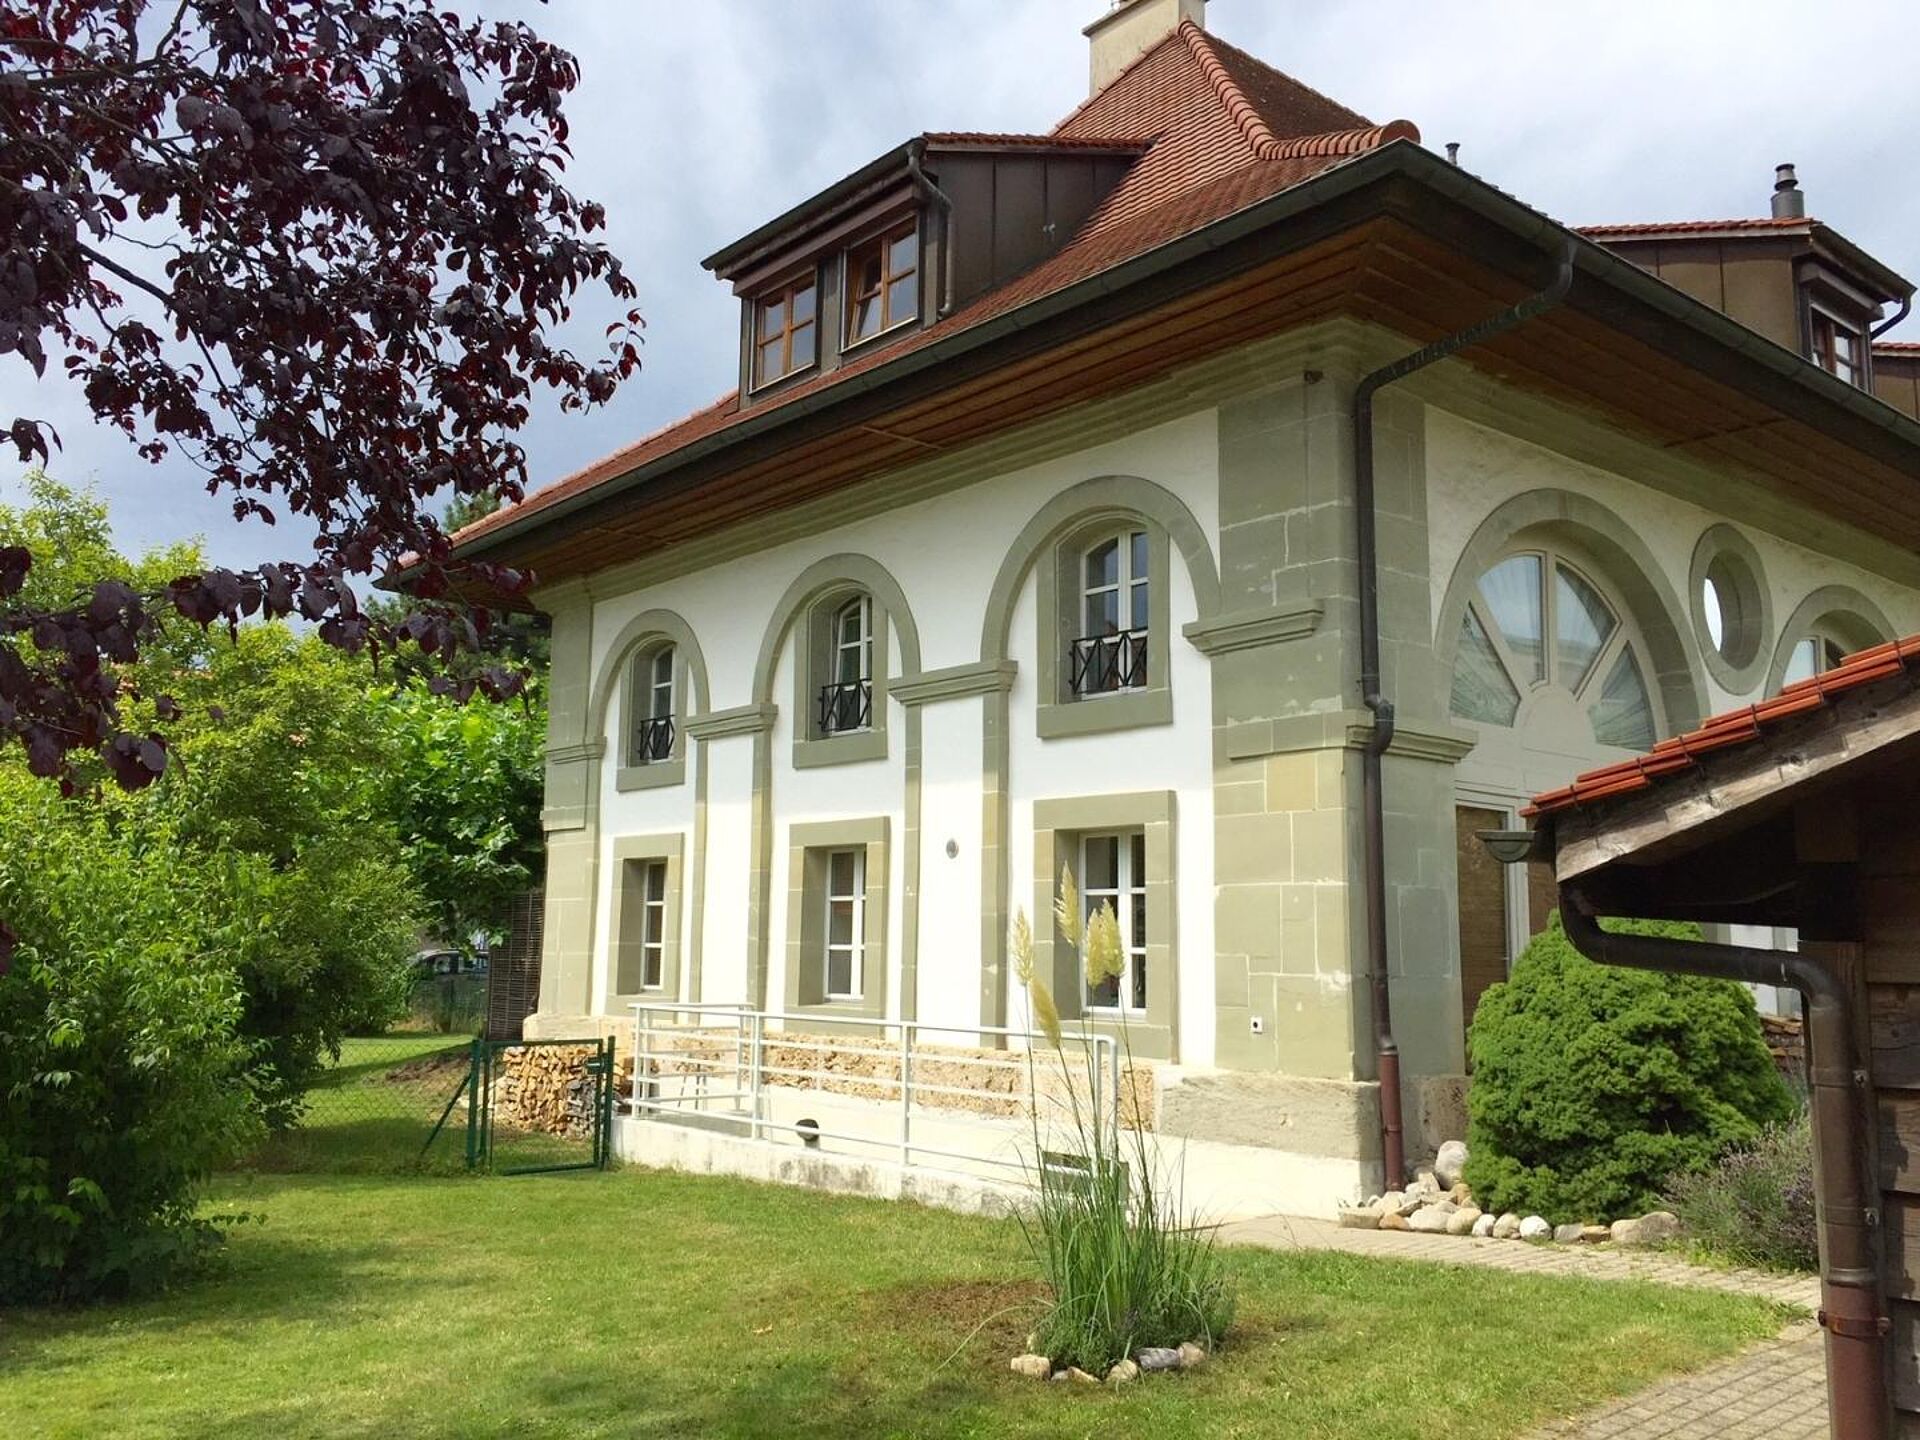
1793	279
900	243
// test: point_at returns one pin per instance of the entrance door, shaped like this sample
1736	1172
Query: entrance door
1484	943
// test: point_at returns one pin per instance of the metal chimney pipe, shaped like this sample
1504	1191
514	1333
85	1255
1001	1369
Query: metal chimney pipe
1789	200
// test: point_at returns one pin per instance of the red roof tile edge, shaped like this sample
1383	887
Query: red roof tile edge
1259	135
1671	227
1735	727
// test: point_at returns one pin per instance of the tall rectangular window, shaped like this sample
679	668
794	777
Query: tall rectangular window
1110	654
653	926
1836	348
846	918
652	737
1113	872
883	283
785	335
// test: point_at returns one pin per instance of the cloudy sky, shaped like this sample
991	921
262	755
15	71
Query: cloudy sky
698	119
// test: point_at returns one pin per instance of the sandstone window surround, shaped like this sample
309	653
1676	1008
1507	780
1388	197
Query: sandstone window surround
836	960
653	743
1732	611
1072	832
1832	623
643	960
1102	647
840	679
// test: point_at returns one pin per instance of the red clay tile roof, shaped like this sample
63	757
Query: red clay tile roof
1009	141
1691	227
1220	131
1896	347
1736	727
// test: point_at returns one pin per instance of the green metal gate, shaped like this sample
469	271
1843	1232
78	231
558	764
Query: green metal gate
536	1106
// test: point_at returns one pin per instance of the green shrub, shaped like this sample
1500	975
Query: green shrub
1123	1271
1593	1084
1755	1206
118	1054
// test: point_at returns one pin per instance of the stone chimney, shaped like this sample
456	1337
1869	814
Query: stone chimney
1789	200
1130	28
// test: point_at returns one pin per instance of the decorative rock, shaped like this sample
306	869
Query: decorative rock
1451	1162
1483	1227
1122	1372
1594	1234
1192	1356
1506	1227
1567	1234
1430	1220
1534	1228
1462	1194
1394	1220
1359	1217
1429	1182
1076	1376
1156	1358
1462	1221
1655	1229
1034	1367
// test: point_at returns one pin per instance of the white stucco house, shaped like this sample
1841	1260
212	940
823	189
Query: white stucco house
1066	514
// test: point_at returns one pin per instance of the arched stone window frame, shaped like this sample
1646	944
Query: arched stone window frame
806	612
1836	612
1053	544
1613	551
1724	555
638	641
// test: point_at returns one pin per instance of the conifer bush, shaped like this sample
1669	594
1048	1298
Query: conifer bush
1593	1085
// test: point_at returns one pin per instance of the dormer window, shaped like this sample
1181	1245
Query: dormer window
883	283
1837	347
785	330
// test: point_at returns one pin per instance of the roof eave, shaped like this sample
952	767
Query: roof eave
814	206
1399	158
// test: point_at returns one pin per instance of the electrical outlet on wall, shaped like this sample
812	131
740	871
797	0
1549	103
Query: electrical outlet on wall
1259	1024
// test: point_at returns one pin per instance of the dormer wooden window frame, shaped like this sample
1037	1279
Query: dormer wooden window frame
760	338
884	239
1838	346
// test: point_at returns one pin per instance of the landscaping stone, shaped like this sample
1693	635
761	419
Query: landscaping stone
1462	1221
1483	1227
1429	1183
1034	1367
1462	1194
1506	1227
1430	1220
1654	1229
1359	1217
1567	1234
1451	1163
1122	1372
1192	1356
1076	1376
1534	1228
1157	1357
1595	1234
1393	1220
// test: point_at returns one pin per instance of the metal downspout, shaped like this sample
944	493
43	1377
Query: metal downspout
916	152
1849	1277
1373	804
1906	308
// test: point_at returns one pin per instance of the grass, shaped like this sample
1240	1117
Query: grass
371	1112
656	1305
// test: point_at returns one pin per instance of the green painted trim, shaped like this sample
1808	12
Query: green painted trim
1057	825
805	934
955	682
740	720
660	775
1862	624
1250	629
1625	562
1736	678
628	850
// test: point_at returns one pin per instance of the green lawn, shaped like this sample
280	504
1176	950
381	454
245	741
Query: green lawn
644	1304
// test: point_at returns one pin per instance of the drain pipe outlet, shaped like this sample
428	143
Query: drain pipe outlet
1850	1308
1373	696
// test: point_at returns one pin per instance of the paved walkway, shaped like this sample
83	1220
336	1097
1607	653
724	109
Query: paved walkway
1773	1391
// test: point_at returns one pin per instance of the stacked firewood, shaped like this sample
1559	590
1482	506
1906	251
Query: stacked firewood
545	1088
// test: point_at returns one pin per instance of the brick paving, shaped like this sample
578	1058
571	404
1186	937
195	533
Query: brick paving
1775	1390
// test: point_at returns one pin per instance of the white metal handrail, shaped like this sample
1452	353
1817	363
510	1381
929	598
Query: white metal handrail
690	1058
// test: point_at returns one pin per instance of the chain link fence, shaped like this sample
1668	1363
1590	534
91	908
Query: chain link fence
389	1103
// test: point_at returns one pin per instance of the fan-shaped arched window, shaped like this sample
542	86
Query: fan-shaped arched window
1535	621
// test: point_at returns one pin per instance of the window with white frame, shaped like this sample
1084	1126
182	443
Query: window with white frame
1836	347
1113	872
1811	655
846	919
653	925
1110	654
651	739
846	699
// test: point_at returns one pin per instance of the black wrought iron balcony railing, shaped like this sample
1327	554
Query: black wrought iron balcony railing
1104	664
653	740
846	706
